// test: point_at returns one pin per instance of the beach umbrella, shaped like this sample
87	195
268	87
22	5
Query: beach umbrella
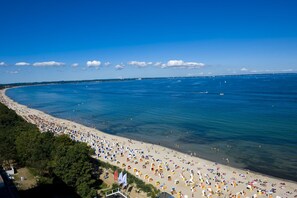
203	193
169	178
152	167
249	187
179	194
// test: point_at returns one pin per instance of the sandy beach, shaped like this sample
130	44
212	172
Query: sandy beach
177	173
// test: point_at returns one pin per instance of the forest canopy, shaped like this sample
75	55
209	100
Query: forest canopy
49	156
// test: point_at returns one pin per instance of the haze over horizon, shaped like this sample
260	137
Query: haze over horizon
81	40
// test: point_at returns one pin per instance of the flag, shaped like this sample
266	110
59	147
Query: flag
120	179
115	175
125	180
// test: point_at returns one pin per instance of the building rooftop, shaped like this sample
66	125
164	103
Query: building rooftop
116	194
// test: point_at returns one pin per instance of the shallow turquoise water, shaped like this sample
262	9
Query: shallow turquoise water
252	122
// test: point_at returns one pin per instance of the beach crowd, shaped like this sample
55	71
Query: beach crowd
176	173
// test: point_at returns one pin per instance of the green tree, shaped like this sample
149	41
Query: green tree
84	190
34	150
73	166
48	156
11	126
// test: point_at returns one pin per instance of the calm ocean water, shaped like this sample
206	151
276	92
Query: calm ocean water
251	119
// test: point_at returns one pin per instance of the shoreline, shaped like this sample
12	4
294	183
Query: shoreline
190	175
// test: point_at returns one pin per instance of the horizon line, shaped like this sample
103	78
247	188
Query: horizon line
134	78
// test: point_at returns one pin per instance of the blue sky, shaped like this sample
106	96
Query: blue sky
92	39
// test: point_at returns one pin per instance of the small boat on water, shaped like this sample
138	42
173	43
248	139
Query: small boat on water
221	94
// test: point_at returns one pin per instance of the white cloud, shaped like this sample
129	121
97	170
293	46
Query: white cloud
182	64
74	65
119	67
190	74
139	63
22	64
2	64
158	63
287	70
107	63
12	72
48	64
244	69
94	63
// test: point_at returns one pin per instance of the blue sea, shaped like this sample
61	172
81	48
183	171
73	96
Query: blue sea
249	119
